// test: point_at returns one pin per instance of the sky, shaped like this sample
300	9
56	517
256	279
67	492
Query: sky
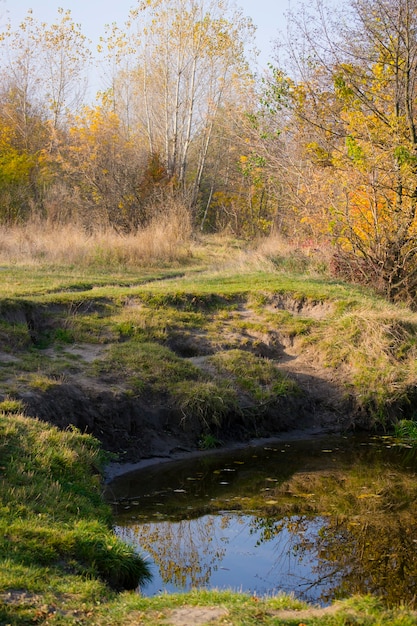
267	15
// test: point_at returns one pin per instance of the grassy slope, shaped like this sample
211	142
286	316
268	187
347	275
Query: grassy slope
57	550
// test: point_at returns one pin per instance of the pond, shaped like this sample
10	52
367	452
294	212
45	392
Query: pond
322	519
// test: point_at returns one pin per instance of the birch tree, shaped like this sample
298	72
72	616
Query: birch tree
65	59
46	64
189	60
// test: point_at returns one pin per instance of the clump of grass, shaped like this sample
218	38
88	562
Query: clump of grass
11	405
259	377
145	365
209	442
210	402
64	335
406	429
88	548
14	336
42	382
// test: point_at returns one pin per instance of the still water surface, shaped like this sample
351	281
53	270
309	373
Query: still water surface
324	519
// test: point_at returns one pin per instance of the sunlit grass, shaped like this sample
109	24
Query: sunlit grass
257	376
52	515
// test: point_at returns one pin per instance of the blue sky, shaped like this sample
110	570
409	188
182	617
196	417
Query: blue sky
267	15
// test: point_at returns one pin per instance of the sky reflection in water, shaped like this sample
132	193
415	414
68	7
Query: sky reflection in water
322	519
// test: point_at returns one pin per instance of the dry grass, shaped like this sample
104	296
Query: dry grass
165	240
291	255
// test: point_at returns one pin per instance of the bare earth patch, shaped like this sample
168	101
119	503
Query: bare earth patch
196	615
200	616
86	352
7	358
206	615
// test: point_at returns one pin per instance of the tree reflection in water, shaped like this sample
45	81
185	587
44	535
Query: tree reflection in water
362	554
376	556
186	552
227	551
333	527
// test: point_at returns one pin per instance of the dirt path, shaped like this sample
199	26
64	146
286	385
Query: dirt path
215	615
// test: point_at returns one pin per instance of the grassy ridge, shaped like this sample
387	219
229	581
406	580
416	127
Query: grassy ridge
52	513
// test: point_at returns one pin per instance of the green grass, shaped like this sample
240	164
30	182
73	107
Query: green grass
52	513
27	281
406	429
60	561
145	366
11	405
258	377
210	402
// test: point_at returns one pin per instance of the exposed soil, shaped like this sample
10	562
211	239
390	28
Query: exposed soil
149	426
200	616
144	428
196	615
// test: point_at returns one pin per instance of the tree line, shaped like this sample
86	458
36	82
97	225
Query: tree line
322	146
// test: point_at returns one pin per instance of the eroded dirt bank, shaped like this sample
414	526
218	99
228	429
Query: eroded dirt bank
150	424
137	429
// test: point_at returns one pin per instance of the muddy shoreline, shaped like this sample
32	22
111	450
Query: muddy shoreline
116	469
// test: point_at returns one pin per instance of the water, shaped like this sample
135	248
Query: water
322	519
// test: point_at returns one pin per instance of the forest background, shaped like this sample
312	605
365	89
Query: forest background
184	136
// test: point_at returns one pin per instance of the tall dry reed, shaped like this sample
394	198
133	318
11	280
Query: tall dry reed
165	240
